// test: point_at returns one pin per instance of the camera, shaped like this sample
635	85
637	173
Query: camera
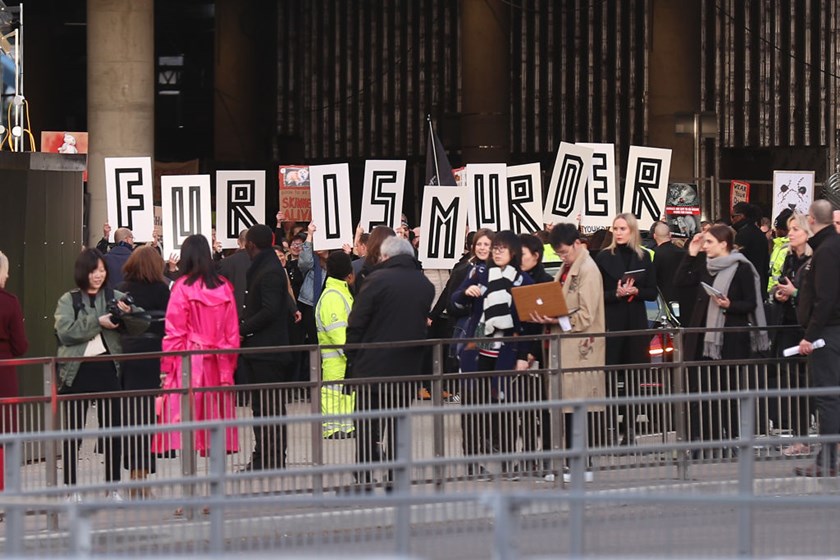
115	311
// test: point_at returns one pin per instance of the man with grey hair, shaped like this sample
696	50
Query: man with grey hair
819	313
391	307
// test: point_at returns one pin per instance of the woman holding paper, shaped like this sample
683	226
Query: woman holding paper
85	326
629	280
795	413
713	266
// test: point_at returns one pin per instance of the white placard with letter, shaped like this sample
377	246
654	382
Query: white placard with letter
793	190
185	202
240	204
330	194
443	222
568	179
128	189
488	202
382	193
600	201
525	197
646	184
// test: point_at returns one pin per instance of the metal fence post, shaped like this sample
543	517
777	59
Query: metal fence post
52	421
437	419
217	488
577	470
556	415
402	474
316	429
504	510
746	464
680	408
15	531
188	463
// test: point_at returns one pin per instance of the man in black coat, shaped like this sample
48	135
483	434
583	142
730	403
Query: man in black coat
818	312
265	322
235	269
751	240
116	258
666	259
391	307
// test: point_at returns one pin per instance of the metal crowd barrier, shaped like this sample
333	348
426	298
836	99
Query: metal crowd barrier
439	455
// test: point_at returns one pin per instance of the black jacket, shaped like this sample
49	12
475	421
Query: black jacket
264	319
743	301
819	296
619	313
235	269
392	306
666	259
755	247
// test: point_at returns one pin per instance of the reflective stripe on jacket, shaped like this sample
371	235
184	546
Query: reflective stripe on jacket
331	315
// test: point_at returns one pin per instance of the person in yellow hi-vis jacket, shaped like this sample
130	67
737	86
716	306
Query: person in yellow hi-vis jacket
331	314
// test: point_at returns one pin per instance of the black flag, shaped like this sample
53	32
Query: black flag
438	169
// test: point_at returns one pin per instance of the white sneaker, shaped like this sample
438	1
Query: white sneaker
73	498
114	496
588	476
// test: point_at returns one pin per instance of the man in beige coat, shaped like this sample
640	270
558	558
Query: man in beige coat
584	294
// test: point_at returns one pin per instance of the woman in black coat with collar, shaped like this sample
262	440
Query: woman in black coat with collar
624	304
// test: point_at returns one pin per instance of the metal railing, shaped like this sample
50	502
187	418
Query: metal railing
481	466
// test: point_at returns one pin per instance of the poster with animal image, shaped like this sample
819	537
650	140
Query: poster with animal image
444	216
525	197
600	201
793	190
568	180
646	184
294	193
488	202
185	202
682	209
240	204
128	192
382	193
56	142
330	191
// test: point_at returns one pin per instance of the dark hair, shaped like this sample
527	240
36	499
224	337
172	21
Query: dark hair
197	262
483	232
747	210
144	265
510	240
468	244
377	236
533	244
542	235
599	239
261	236
363	239
87	262
723	233
339	265
564	234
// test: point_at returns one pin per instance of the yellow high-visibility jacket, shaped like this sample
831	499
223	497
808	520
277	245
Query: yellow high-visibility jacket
331	315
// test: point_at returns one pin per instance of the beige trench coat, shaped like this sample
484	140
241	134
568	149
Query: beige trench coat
584	293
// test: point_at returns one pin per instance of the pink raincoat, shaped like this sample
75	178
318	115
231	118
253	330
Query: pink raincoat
198	318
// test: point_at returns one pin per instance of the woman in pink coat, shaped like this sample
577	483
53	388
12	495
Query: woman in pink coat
201	315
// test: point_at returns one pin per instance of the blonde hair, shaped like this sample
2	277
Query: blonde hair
801	221
4	269
635	241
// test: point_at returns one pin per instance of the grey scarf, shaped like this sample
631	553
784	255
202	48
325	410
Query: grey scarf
723	270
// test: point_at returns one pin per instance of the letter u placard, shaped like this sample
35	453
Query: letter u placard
488	190
128	190
185	202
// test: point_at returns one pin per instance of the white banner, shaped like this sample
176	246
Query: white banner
600	202
646	184
240	204
488	200
330	194
382	194
794	190
128	188
525	197
568	179
185	201
443	222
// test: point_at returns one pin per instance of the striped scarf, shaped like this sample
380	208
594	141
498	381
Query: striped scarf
497	299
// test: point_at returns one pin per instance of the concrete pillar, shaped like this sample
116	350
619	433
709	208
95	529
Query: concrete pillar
674	79
485	90
120	91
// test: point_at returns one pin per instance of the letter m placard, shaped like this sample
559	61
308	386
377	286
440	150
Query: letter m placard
443	225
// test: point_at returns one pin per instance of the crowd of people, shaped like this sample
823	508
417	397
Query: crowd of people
276	291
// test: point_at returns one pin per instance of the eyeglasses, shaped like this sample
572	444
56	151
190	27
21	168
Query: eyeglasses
499	249
297	244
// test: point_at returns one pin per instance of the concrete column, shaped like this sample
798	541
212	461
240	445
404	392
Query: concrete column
485	90
120	91
674	79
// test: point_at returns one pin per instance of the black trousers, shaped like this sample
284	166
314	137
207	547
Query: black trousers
377	439
270	440
824	365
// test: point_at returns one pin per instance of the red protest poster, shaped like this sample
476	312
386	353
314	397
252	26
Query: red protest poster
56	142
294	193
739	191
